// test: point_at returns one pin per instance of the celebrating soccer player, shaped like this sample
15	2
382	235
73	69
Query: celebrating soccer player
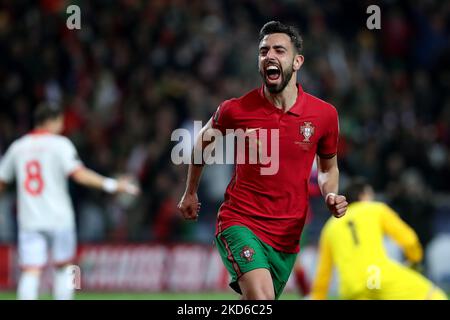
260	222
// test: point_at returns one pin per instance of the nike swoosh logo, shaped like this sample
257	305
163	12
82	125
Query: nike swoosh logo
248	130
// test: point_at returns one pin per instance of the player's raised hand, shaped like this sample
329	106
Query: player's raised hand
189	206
126	185
337	204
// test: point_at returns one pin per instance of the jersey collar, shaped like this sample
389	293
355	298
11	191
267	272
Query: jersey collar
296	109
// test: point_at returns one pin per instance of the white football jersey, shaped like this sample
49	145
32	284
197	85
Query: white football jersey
41	162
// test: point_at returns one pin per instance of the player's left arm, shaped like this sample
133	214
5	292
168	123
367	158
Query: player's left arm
328	171
328	179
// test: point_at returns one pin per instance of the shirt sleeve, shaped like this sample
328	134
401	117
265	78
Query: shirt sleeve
328	143
222	118
402	234
7	165
70	159
324	269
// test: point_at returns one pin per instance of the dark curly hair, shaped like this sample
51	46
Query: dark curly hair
278	27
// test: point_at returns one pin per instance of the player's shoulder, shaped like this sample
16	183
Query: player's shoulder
248	98
371	209
377	203
16	144
383	208
63	140
320	104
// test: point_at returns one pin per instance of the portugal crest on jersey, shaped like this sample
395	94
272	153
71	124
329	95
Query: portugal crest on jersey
247	253
307	130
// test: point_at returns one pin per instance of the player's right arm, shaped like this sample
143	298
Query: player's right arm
402	234
324	269
189	205
222	119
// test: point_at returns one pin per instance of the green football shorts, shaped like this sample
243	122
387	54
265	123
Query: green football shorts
242	251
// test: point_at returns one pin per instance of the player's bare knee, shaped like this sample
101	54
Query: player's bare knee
257	285
258	291
258	294
266	295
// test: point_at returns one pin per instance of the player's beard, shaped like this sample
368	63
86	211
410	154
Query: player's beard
285	78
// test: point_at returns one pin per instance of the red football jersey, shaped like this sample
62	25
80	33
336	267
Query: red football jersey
274	206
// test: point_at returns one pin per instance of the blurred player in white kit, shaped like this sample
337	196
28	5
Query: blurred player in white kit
41	162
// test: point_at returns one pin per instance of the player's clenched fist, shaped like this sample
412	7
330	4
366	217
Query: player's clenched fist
189	206
337	204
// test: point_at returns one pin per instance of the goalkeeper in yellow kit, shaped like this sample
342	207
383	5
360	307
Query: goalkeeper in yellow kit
354	245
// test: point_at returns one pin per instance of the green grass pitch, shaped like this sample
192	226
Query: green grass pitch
10	295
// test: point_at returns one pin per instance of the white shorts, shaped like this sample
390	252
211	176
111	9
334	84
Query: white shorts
35	247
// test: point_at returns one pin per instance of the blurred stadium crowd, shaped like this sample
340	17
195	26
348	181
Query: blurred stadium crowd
137	70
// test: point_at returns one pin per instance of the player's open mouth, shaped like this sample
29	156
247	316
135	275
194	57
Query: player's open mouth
273	72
